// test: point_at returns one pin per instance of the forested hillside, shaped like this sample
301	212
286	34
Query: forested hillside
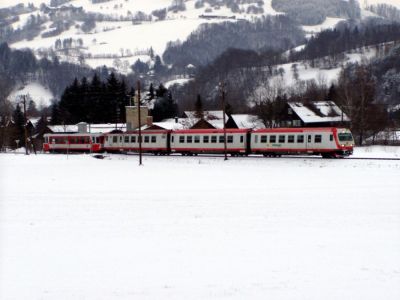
211	40
313	12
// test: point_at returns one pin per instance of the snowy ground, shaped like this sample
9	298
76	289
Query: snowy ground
198	228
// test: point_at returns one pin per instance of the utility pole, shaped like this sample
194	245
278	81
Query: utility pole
25	125
140	126
222	87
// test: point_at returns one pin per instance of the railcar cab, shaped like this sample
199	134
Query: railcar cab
59	142
344	141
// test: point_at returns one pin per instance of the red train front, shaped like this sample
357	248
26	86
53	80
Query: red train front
73	142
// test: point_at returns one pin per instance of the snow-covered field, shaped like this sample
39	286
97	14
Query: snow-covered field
35	91
198	228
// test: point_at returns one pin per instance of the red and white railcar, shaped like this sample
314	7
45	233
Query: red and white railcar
153	141
328	142
194	141
73	142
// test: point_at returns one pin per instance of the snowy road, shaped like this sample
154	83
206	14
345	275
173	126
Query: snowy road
198	228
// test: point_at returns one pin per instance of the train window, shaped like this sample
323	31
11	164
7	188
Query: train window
221	139
230	139
241	139
256	139
213	139
318	138
291	139
309	138
189	139
331	137
115	139
181	139
345	137
282	138
153	139
107	138
206	139
272	138
93	139
126	139
300	139
172	138
263	139
197	139
133	139
120	138
146	139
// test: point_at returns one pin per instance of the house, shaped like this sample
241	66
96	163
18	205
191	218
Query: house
244	121
313	114
211	119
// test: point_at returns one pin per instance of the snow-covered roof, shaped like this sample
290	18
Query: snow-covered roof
172	124
92	128
318	112
63	128
247	121
208	115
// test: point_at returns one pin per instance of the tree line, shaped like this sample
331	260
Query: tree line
97	101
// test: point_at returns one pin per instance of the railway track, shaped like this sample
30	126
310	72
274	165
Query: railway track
266	158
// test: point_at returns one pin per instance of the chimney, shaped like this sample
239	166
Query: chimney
82	127
149	120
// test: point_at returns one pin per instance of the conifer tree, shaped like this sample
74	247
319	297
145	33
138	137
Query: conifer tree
19	125
198	107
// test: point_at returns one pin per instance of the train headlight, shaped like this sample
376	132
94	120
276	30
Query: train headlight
342	145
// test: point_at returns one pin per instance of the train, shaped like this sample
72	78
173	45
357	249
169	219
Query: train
328	142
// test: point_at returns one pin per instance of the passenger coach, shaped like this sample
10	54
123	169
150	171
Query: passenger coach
195	141
328	142
153	141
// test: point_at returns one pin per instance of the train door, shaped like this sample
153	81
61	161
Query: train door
248	142
309	143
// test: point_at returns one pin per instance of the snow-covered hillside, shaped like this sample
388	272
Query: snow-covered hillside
395	3
120	43
198	228
41	95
